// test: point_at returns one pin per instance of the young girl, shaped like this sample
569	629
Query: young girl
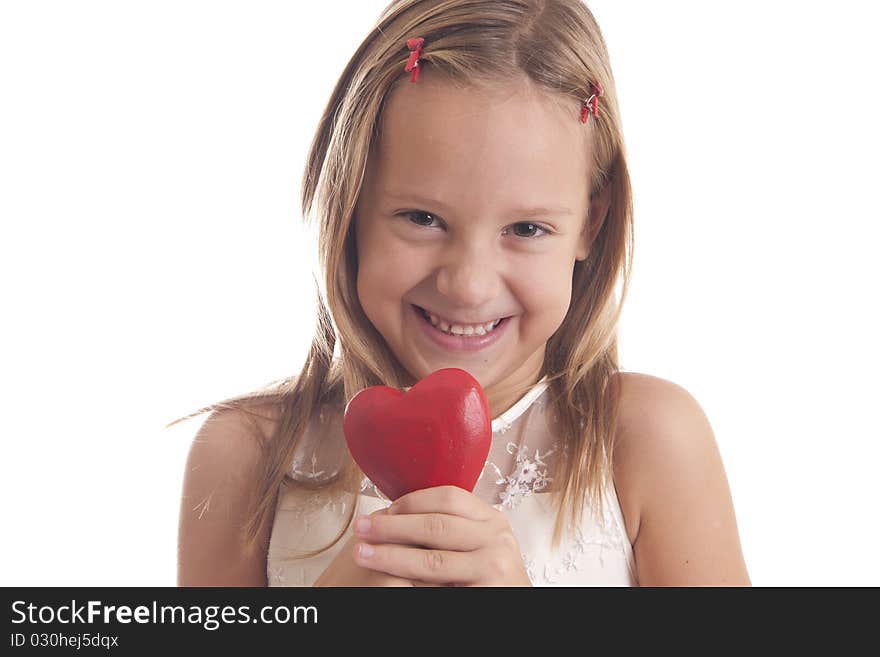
473	211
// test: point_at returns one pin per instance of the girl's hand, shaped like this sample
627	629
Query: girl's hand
463	541
343	571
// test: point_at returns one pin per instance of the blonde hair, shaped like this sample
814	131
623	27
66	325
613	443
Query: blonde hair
559	47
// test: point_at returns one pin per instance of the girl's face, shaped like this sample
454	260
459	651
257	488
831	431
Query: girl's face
474	207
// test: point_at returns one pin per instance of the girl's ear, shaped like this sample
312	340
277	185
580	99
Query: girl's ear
596	214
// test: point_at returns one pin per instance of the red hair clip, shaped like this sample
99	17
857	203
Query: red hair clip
591	104
415	51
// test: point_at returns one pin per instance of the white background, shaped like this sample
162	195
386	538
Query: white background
152	259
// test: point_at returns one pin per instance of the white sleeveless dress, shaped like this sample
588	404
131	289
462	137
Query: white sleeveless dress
514	480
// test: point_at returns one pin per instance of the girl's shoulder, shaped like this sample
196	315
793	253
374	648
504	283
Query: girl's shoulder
672	486
641	397
221	466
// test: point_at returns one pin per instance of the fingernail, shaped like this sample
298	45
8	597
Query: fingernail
362	526
366	551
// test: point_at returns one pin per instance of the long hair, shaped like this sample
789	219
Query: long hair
559	47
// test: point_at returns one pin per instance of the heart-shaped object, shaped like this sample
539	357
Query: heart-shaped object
438	433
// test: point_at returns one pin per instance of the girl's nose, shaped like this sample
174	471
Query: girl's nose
469	278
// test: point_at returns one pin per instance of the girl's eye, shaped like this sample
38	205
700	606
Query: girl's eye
535	227
417	214
426	218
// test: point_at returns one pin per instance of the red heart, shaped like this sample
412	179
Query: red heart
436	434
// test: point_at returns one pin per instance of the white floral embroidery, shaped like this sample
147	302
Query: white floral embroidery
503	426
608	536
569	561
314	506
529	563
528	476
276	576
313	472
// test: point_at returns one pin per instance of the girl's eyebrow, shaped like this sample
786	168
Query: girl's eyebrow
536	211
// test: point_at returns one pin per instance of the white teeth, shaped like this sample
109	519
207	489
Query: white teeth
455	329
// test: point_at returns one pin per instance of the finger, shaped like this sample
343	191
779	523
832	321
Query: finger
432	566
429	530
442	499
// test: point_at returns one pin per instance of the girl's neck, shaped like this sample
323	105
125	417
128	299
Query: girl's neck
502	397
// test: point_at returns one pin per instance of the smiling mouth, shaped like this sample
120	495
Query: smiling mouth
483	330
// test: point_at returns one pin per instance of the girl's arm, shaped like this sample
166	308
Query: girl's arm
221	467
668	461
220	471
